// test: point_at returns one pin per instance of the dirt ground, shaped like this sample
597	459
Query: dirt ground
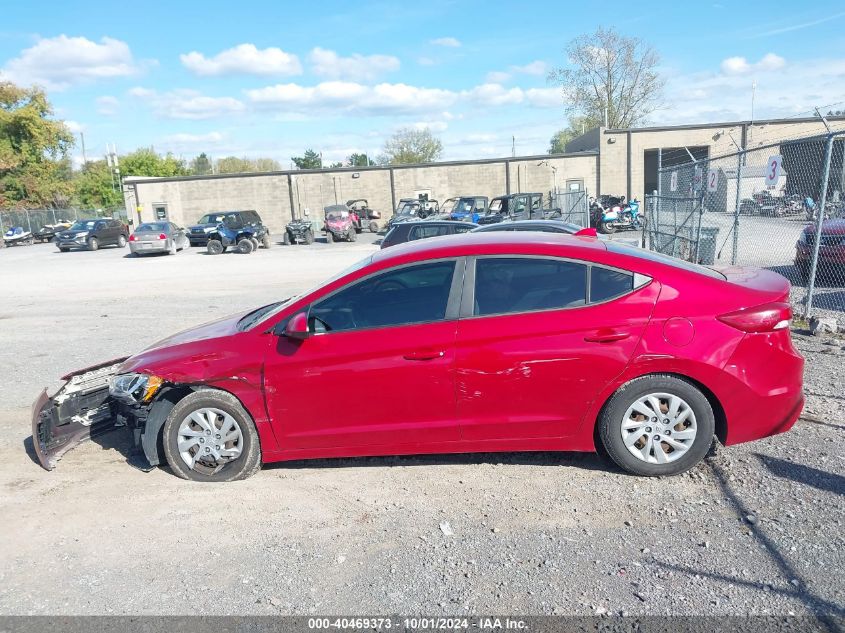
757	529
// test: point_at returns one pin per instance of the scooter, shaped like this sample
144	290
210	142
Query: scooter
620	216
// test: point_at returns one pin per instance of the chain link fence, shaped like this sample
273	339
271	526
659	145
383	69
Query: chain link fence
574	206
761	207
33	220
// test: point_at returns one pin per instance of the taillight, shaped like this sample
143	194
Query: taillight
162	236
764	318
132	238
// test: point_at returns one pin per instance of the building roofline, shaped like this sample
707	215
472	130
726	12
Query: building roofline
329	170
694	126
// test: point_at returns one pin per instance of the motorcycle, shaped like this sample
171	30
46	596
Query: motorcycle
611	214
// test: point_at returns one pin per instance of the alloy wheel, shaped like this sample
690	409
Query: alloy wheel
659	428
208	439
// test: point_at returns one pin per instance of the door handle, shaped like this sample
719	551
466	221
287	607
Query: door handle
424	355
608	337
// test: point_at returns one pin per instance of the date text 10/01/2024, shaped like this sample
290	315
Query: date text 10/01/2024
418	623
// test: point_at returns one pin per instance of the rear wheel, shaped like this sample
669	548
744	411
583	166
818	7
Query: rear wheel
329	237
265	240
62	249
373	226
351	235
93	244
245	246
214	247
657	425
255	243
172	249
209	436
309	237
607	227
286	239
121	241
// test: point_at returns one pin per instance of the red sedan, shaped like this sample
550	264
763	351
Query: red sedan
831	249
477	342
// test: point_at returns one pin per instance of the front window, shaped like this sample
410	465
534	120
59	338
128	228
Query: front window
496	205
402	296
212	218
83	225
506	285
449	205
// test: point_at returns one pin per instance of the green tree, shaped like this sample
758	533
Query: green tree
266	164
34	168
410	146
95	187
201	165
309	160
146	162
613	75
577	126
360	160
235	165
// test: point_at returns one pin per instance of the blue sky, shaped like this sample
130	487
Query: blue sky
274	78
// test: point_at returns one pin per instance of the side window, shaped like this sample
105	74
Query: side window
520	202
505	285
411	294
423	232
463	229
607	284
99	226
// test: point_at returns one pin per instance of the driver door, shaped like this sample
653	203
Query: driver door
378	367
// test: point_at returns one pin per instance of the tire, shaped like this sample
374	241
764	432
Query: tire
255	243
63	249
172	249
93	244
265	240
286	239
329	237
227	408
351	235
214	247
373	226
647	462
245	246
309	237
607	228
121	241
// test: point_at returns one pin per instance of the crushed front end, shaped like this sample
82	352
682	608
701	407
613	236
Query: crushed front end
95	400
81	409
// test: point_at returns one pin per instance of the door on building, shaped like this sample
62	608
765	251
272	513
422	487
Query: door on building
160	211
575	185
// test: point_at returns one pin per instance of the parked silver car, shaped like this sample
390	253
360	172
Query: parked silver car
158	237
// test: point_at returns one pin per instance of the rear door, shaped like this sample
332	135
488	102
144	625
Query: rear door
538	339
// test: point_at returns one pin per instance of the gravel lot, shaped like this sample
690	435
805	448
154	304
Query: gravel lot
756	529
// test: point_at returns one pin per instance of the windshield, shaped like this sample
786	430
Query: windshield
336	215
496	206
83	225
153	227
449	205
274	308
212	218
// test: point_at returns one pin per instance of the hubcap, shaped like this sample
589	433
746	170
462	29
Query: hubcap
659	428
209	439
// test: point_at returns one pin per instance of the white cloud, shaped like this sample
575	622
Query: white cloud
544	97
741	66
59	62
187	104
74	126
537	68
434	126
107	105
351	97
326	63
492	94
194	139
243	59
718	96
497	77
448	42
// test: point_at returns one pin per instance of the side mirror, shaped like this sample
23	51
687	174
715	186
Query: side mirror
297	327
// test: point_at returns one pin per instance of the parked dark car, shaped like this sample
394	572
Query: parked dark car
420	230
545	226
199	232
517	206
831	251
92	234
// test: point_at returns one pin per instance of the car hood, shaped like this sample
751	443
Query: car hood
182	346
198	228
829	227
72	233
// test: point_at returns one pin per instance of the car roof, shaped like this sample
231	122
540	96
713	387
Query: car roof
493	242
504	226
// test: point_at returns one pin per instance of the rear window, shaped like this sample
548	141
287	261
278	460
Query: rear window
654	256
608	284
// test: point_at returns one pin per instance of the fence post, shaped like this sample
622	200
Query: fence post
54	215
28	221
814	262
739	160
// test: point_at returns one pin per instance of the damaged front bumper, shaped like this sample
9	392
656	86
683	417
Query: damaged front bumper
80	410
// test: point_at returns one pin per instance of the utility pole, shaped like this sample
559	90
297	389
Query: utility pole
84	155
513	146
751	127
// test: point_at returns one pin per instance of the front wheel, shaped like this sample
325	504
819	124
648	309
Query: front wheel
255	243
351	235
607	227
245	246
373	226
121	241
265	241
657	425
329	237
209	436
93	244
214	247
309	237
286	239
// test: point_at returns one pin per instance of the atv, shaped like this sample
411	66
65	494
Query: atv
339	224
299	231
363	215
17	235
233	233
